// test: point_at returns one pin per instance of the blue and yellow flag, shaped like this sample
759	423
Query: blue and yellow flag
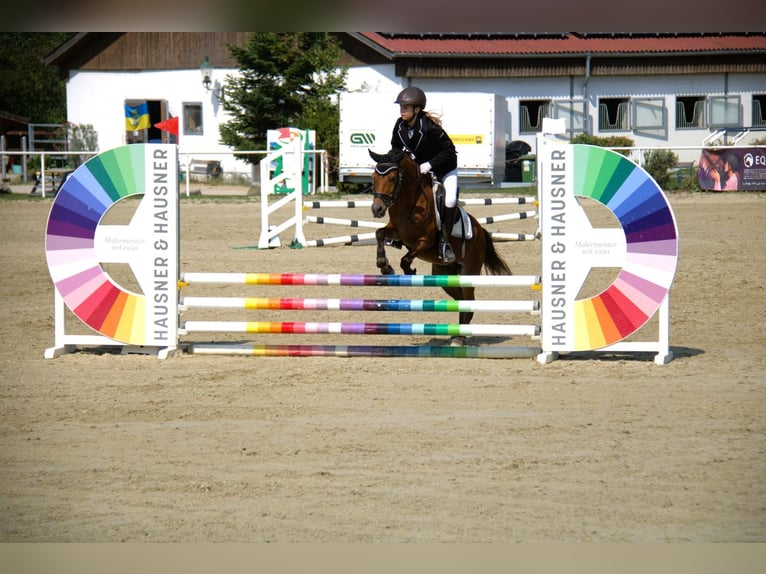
137	118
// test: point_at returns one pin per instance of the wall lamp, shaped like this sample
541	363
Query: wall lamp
206	69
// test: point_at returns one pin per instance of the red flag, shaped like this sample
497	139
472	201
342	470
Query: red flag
170	125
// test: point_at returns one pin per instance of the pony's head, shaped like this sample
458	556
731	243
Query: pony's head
394	171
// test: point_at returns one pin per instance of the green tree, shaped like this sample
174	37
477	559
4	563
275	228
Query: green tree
657	163
30	88
78	137
286	79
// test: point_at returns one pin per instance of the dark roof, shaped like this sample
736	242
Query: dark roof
456	45
13	118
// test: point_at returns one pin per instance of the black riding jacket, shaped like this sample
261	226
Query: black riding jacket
429	142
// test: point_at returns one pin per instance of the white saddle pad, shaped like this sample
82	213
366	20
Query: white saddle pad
463	222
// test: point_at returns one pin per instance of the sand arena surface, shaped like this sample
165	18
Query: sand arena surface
102	447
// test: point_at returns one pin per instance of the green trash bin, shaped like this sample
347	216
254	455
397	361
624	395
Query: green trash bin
528	167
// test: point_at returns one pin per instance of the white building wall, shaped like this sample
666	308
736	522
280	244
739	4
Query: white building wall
98	98
376	79
665	87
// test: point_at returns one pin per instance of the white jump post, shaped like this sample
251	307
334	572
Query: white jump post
268	183
643	246
76	245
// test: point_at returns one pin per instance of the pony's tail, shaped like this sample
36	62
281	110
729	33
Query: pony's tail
493	263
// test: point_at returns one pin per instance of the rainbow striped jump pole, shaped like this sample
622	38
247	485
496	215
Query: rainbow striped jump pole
420	351
191	278
359	328
307	304
340	328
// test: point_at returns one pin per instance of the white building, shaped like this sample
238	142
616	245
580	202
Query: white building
660	90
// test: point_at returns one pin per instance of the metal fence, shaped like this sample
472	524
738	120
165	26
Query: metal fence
55	166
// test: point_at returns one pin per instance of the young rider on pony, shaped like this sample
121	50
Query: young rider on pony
422	135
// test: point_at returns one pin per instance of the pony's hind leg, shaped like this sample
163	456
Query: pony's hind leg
406	264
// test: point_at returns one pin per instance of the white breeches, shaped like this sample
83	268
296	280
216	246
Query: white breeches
449	182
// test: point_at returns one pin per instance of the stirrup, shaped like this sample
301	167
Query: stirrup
445	249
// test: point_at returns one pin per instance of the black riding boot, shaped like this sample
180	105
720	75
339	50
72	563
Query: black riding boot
448	220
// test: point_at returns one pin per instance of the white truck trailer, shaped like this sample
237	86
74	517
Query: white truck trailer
477	123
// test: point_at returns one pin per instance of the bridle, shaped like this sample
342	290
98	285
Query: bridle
389	199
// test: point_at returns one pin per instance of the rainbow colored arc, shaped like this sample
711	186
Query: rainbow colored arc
650	230
70	248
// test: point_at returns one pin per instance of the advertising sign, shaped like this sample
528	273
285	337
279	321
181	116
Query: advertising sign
78	242
276	139
734	169
644	247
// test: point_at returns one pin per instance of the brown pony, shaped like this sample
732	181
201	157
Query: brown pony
400	189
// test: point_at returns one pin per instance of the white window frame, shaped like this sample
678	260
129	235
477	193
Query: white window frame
573	112
191	109
725	111
649	114
622	118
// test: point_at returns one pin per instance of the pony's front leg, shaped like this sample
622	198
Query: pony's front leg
406	263
410	256
382	261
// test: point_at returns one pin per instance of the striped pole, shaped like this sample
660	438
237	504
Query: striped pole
358	280
296	304
338	328
336	203
499	201
484	352
499	236
506	217
465	201
340	221
343	239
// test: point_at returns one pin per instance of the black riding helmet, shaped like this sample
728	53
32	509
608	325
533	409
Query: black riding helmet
411	96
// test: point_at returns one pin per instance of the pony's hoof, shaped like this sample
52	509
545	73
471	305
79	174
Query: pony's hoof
457	342
387	270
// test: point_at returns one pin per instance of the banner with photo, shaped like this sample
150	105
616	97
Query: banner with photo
735	169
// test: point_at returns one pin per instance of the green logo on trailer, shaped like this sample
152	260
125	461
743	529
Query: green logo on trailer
362	138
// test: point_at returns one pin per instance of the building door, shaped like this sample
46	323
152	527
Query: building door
140	118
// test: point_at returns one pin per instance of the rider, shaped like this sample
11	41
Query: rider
421	134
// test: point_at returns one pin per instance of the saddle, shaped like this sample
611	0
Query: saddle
462	227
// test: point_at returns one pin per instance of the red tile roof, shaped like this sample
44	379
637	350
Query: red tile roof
403	45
